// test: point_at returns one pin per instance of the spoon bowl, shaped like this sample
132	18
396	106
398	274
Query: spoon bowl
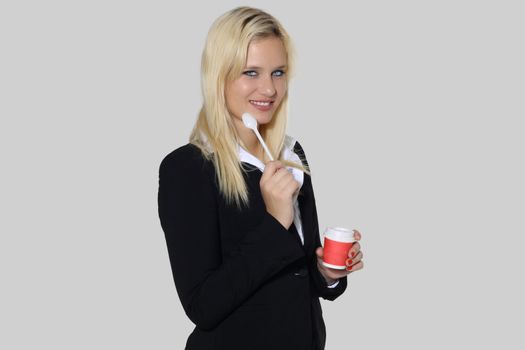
251	123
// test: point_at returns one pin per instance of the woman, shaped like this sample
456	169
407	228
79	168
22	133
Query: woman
242	231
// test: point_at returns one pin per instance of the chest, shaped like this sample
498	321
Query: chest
235	222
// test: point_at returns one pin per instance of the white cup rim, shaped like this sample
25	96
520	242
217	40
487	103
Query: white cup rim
340	234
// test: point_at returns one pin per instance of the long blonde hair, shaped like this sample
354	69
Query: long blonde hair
223	60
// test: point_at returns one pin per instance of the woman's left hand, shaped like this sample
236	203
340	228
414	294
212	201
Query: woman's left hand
353	263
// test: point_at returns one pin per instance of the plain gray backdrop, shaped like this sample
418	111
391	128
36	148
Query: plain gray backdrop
410	113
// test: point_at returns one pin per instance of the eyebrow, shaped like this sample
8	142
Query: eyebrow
255	67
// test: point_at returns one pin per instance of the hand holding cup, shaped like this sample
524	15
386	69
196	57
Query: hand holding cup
341	261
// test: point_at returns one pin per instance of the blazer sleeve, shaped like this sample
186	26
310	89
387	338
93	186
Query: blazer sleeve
320	283
209	287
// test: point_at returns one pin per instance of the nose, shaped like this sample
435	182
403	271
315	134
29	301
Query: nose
267	86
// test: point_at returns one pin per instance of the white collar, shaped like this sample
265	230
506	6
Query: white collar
288	154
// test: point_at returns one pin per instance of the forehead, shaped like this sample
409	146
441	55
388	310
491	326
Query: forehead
266	52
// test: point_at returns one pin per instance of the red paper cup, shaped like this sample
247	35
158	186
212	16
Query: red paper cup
337	244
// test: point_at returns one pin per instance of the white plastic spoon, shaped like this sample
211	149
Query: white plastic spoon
251	123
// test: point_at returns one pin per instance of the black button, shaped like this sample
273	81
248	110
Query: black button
302	272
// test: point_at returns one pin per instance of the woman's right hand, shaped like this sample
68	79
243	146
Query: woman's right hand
277	188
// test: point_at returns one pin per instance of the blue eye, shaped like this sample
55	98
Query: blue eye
252	73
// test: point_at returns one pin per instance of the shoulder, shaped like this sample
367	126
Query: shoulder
185	175
187	159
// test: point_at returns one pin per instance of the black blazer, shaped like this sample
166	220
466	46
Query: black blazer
243	279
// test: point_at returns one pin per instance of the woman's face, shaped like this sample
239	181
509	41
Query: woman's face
261	87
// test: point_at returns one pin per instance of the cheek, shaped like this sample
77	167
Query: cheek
235	93
240	93
245	89
281	87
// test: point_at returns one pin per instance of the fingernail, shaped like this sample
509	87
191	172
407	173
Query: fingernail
348	268
349	261
353	254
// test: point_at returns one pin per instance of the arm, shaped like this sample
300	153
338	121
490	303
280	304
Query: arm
325	291
208	287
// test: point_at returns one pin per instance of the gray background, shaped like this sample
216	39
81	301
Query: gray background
409	112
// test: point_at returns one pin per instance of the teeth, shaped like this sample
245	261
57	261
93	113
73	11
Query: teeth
260	103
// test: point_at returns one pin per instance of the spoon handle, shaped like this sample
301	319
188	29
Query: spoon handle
263	144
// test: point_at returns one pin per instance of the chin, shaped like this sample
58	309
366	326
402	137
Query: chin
263	119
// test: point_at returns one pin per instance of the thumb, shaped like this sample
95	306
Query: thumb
319	252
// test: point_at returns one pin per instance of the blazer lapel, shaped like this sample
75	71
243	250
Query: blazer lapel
305	206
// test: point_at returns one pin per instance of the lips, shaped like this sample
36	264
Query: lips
261	102
262	105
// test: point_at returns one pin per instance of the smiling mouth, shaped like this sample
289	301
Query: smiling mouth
261	103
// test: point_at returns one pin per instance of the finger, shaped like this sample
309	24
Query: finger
280	178
357	235
285	187
270	169
356	247
355	267
319	252
284	174
354	260
290	187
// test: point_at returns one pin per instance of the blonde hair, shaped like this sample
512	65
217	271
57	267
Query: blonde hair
223	60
